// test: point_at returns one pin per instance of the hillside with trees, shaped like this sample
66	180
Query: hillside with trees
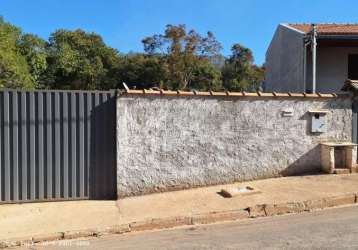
177	59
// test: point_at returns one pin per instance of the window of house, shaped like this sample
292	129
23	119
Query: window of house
353	67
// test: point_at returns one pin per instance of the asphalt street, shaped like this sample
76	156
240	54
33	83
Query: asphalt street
335	228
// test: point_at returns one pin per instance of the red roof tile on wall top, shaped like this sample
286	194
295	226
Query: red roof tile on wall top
328	29
227	93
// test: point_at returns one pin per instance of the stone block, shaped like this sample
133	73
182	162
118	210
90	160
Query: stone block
159	223
314	204
284	208
118	229
79	234
334	201
141	225
340	200
171	222
47	237
15	242
257	211
220	216
3	245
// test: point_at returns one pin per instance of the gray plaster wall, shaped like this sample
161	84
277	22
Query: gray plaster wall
284	61
332	67
167	143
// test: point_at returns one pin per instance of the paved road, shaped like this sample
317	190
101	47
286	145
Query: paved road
328	229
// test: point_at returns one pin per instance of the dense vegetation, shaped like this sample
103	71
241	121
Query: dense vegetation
176	59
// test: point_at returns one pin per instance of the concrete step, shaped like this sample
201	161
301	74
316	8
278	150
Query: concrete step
341	171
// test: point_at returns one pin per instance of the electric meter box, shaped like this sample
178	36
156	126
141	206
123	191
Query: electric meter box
319	120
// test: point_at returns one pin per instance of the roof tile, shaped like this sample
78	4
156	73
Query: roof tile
328	29
227	93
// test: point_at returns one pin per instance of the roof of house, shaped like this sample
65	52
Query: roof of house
328	28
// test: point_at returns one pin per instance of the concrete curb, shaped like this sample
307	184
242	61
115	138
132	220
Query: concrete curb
260	210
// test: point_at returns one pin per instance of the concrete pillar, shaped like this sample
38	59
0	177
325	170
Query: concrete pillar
351	156
327	159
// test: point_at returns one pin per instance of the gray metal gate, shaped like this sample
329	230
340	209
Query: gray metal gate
57	145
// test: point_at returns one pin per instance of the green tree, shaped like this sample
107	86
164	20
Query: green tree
142	71
80	60
14	71
239	72
206	77
33	49
176	59
187	56
257	76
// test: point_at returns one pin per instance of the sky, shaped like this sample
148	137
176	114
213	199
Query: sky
124	23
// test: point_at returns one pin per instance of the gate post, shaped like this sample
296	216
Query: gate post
355	120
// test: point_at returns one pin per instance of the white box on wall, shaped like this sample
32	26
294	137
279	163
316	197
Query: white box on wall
319	123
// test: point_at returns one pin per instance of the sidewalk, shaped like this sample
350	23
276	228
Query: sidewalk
27	220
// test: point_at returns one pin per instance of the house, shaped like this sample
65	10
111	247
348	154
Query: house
311	57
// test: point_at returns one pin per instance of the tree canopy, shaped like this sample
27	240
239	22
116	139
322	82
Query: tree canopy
176	59
79	60
14	69
186	56
33	49
239	72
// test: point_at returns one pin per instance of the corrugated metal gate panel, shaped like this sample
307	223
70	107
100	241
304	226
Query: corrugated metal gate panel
57	145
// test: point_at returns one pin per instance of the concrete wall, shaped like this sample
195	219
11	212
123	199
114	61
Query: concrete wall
167	143
284	61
